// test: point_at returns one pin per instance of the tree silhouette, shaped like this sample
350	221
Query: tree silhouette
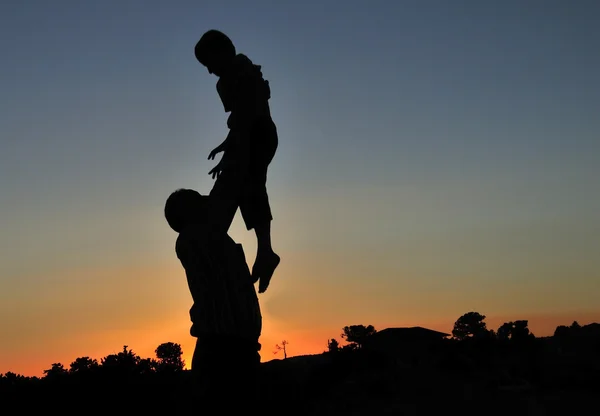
521	330
516	331
358	334
83	365
169	357
282	347
578	338
349	347
10	379
471	325
333	345
504	331
56	371
147	366
561	331
124	362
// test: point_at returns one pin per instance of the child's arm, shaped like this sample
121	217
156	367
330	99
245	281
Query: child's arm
226	161
220	148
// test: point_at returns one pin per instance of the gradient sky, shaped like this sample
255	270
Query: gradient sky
435	157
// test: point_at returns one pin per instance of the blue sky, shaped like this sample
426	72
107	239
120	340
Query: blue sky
428	150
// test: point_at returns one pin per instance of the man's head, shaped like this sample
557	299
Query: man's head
183	207
215	51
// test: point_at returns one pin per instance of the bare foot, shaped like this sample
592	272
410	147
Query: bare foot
263	269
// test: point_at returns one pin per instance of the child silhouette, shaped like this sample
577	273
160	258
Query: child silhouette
241	175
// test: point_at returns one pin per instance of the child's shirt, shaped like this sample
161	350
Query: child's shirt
244	92
225	300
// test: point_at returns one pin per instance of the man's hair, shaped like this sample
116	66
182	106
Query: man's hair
181	206
213	43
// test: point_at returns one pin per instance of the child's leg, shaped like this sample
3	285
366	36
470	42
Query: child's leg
254	205
245	189
244	186
226	195
266	259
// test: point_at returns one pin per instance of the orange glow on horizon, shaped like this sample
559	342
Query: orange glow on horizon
153	309
301	342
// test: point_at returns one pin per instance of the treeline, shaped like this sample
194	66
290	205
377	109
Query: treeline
511	355
472	326
124	366
117	383
127	367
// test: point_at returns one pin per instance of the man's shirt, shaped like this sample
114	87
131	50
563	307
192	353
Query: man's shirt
225	300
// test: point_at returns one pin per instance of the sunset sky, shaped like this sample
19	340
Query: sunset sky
436	157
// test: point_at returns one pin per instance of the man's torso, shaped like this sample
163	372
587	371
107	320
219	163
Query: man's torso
225	300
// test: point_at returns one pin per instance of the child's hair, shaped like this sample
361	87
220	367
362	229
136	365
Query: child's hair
182	206
213	43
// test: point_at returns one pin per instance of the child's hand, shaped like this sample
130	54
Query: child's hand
222	165
216	171
214	152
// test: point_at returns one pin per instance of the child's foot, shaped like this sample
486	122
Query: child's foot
263	269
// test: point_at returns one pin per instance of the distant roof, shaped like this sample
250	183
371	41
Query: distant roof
414	331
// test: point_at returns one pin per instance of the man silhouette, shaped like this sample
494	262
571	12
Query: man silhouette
225	315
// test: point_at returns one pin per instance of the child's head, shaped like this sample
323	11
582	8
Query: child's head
215	51
185	206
